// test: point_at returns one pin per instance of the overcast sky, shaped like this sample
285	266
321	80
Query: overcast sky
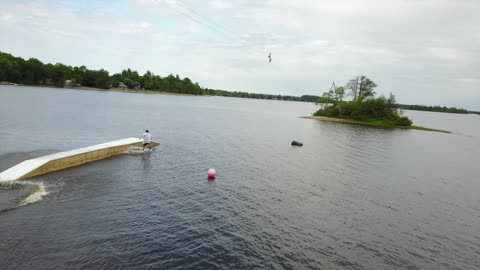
424	51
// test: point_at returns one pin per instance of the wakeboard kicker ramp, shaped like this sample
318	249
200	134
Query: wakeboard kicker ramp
59	161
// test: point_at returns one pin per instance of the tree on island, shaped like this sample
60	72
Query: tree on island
332	96
361	87
363	107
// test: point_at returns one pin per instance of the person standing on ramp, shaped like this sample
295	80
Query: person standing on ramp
147	137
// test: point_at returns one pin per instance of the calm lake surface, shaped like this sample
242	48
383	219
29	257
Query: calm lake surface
352	197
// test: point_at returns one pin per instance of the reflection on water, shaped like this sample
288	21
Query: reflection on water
352	197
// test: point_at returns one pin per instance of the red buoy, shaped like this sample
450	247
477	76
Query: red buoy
212	174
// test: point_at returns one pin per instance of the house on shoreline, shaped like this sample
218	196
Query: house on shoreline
7	83
71	83
122	86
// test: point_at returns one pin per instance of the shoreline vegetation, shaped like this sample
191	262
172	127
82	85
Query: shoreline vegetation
365	108
443	109
32	72
120	90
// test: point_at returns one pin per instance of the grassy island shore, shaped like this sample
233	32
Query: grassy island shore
380	124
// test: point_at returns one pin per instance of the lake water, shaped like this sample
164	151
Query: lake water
352	197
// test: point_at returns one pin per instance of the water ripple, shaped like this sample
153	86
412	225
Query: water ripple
351	198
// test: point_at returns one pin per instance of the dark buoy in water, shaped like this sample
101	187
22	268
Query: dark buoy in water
295	143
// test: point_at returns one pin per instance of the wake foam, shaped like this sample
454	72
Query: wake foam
20	193
10	185
35	195
138	151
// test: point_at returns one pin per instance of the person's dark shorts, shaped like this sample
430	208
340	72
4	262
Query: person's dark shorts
146	144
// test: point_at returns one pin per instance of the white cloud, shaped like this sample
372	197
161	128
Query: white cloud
146	25
218	4
469	86
446	54
6	17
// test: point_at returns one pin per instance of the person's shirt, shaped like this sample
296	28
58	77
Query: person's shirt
146	137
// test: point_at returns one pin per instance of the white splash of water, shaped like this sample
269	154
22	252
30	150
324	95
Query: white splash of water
138	151
35	196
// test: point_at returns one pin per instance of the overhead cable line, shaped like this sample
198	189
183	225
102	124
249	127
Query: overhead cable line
207	22
188	16
226	30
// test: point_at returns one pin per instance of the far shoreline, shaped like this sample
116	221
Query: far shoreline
139	91
370	124
150	92
119	90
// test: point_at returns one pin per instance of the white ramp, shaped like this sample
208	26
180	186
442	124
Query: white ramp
41	165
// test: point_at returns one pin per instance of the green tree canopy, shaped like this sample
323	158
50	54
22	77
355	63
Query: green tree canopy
361	87
364	106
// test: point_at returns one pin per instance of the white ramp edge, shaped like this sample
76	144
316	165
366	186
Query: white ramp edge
25	167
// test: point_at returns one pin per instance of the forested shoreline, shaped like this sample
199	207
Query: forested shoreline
432	108
34	72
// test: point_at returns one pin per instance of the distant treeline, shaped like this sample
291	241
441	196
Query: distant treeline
305	98
34	72
432	108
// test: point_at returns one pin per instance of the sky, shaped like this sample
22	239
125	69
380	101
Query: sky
423	51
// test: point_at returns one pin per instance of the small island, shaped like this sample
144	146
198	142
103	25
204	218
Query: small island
365	108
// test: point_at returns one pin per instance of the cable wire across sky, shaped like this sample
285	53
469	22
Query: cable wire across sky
212	25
